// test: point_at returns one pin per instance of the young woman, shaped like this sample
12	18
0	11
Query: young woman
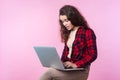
80	48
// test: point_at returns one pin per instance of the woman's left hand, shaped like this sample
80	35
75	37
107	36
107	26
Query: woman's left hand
70	64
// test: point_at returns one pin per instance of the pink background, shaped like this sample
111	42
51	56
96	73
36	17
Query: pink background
26	23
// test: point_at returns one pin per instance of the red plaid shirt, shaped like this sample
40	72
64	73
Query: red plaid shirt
84	49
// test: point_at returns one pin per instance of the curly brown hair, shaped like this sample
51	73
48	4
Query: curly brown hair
74	16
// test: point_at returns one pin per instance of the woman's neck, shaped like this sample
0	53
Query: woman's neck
75	28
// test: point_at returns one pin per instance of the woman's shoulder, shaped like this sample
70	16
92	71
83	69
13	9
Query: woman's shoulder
87	29
83	30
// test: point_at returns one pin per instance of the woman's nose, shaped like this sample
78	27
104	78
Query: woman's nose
65	24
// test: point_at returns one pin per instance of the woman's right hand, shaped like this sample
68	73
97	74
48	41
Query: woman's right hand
69	64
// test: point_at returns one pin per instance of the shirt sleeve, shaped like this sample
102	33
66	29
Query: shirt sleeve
90	54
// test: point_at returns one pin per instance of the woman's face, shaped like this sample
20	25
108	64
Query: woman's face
68	25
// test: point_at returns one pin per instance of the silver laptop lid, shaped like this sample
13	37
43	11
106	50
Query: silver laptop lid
49	57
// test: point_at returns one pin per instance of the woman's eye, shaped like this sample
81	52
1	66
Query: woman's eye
66	20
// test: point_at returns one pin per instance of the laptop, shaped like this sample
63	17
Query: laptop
49	57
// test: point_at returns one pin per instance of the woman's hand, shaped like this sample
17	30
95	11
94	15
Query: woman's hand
69	64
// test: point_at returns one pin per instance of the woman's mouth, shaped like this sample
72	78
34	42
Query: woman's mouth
67	27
